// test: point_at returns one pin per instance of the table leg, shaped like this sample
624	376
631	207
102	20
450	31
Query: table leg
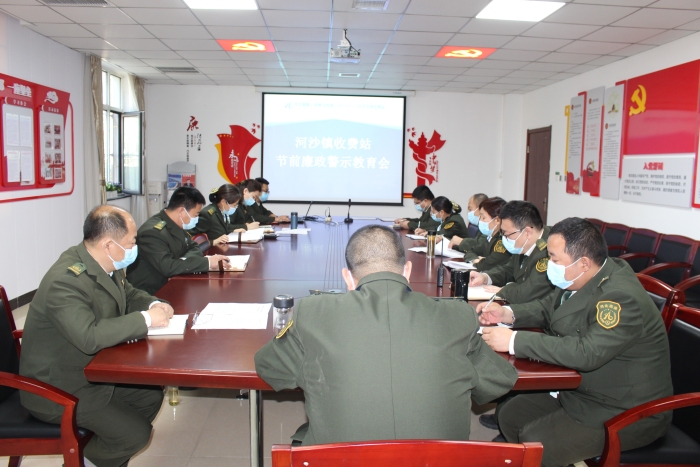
255	406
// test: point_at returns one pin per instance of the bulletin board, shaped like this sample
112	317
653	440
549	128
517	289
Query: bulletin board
36	141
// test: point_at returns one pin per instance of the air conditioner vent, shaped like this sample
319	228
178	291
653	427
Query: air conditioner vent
75	3
349	75
177	69
370	4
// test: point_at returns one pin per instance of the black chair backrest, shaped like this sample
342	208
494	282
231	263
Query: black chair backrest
673	249
472	230
658	300
684	341
641	241
615	235
203	247
9	360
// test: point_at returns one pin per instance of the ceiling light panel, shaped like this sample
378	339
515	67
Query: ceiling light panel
519	10
222	4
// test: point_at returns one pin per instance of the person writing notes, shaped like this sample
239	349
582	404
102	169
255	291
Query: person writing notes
466	244
600	321
489	252
524	236
258	211
403	345
422	197
166	248
243	218
446	212
84	304
215	219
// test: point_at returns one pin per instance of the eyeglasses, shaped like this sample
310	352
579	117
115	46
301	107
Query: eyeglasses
504	234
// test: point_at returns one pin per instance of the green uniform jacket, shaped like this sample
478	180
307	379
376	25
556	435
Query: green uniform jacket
612	333
493	252
525	276
261	214
239	219
468	244
77	311
213	223
451	226
383	362
165	250
423	222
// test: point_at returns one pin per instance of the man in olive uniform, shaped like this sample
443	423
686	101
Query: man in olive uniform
599	321
524	277
166	248
422	197
381	361
260	213
83	305
468	244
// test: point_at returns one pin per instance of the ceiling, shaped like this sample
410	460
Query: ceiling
398	45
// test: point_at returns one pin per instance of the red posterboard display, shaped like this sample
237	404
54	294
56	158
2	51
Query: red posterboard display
33	141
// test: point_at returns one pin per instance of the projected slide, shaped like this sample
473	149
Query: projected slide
326	148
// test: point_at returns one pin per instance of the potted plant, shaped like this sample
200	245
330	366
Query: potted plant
112	191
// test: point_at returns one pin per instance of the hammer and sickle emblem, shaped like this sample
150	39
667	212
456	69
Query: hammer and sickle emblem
248	46
467	53
639	97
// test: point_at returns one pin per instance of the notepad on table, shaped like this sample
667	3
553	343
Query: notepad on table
175	327
238	263
438	252
415	237
250	236
459	265
299	231
386	219
233	316
478	293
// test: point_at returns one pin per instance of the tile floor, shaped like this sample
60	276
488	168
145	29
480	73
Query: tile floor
210	428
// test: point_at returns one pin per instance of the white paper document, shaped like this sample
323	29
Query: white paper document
387	219
247	236
26	131
233	316
237	261
478	293
175	327
415	237
499	325
438	251
459	265
299	231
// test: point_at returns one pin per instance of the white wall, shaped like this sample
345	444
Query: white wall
37	231
545	107
469	162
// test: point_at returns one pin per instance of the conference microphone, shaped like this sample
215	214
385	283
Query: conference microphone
306	217
348	220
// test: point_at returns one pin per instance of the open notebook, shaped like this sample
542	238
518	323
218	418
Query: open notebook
239	263
176	327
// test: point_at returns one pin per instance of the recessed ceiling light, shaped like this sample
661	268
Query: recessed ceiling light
349	75
519	10
464	52
222	4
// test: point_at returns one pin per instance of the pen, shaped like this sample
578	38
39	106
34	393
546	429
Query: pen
489	302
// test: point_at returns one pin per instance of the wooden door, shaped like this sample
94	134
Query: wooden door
537	169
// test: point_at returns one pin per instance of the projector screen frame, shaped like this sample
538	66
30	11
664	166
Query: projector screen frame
320	201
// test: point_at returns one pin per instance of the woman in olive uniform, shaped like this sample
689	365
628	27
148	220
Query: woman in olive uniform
491	251
215	219
446	212
250	190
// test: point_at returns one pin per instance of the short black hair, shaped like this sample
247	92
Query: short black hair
422	193
104	221
228	192
492	206
441	203
262	181
522	214
581	238
186	196
374	248
251	185
479	198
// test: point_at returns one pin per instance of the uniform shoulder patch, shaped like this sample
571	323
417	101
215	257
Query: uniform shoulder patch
77	268
608	315
498	247
541	244
159	225
285	329
541	265
211	211
449	225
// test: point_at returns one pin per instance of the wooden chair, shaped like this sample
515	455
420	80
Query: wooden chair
20	433
673	258
615	236
681	445
600	225
409	453
691	288
639	248
202	240
663	295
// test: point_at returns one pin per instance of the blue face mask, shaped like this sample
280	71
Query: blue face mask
231	210
129	256
193	222
249	202
556	273
263	196
484	228
436	218
510	245
472	217
418	208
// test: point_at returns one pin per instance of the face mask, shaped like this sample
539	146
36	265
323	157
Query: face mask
418	207
230	211
556	274
473	218
436	218
129	256
484	228
193	222
263	196
249	202
510	245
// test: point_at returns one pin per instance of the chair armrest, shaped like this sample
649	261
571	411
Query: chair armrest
664	266
17	334
622	248
636	255
688	283
611	453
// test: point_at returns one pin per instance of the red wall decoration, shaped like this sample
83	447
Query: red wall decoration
425	154
234	162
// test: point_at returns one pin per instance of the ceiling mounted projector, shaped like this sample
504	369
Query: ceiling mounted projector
345	52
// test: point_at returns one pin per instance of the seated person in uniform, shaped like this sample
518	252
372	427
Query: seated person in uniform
167	248
466	244
85	304
215	219
242	218
422	197
524	277
446	212
260	213
489	252
403	365
600	321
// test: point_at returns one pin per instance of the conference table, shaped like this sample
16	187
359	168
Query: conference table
294	265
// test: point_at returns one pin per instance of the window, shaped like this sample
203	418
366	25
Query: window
123	137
